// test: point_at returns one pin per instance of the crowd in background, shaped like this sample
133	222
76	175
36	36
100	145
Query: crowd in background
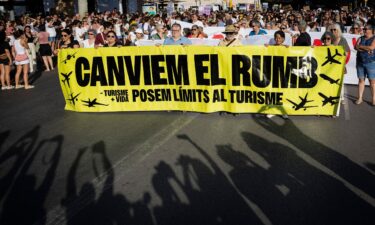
40	37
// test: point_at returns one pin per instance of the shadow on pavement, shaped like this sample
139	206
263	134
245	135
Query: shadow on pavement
293	187
88	207
22	194
371	166
208	195
338	163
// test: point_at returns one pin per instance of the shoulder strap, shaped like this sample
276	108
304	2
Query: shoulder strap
231	42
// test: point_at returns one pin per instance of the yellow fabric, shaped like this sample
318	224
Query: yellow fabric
244	79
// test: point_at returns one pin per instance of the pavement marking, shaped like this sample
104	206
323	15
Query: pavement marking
58	215
346	105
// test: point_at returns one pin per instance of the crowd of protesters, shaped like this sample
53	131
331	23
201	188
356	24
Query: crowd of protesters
32	39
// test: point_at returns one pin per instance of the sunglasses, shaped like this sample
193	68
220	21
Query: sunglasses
90	34
64	35
110	36
282	28
194	29
327	39
364	29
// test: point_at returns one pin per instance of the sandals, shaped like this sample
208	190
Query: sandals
358	102
29	87
19	86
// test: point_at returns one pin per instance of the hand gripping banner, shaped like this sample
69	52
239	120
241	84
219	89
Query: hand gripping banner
248	79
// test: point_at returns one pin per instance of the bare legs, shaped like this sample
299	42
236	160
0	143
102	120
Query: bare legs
48	62
361	88
25	69
372	84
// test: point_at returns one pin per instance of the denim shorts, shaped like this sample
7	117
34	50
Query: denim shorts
51	39
366	70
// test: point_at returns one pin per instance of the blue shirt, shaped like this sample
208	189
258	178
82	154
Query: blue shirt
261	32
364	56
181	41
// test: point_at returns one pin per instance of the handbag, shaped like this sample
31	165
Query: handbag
21	57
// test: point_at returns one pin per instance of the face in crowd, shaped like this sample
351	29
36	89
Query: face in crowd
176	31
111	37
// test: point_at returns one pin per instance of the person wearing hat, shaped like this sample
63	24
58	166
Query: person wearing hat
177	38
138	36
230	37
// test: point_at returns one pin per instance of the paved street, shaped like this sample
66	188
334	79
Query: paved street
62	167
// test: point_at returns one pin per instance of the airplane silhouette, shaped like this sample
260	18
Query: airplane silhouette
330	80
66	76
73	99
330	57
302	104
68	57
92	103
330	99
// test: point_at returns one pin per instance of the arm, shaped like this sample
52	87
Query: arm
9	56
367	48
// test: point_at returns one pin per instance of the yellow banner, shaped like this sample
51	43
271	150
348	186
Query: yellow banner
248	79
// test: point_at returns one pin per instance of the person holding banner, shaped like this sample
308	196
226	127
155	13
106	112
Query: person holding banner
112	40
340	41
177	38
279	38
66	41
90	41
195	32
366	62
230	39
160	33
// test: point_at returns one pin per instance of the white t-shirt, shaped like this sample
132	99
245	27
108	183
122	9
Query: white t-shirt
78	32
51	30
118	29
86	44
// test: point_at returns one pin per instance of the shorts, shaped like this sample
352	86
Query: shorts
51	39
4	61
45	50
366	70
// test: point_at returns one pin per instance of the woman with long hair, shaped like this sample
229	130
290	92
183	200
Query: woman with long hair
21	59
30	42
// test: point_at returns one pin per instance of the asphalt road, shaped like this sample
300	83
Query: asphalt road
62	167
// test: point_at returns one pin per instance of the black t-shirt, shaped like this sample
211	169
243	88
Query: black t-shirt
303	39
4	45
